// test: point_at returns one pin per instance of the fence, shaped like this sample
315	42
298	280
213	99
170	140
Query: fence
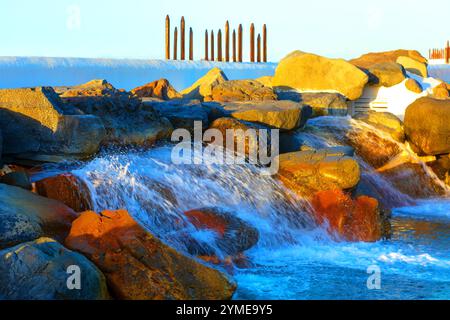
236	47
440	54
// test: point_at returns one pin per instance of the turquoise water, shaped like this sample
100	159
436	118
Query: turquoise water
294	259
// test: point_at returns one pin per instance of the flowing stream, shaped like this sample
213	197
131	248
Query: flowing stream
294	258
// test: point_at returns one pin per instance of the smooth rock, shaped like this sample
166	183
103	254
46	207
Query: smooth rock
38	270
427	126
25	216
386	74
369	59
306	172
68	189
309	72
232	234
138	266
441	91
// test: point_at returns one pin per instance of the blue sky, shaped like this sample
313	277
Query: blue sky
135	28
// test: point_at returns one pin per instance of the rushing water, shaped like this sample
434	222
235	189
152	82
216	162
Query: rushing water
294	258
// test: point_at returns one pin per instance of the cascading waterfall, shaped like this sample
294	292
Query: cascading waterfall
294	258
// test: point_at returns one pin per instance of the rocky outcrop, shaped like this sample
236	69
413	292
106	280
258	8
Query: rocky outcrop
240	90
441	92
232	234
386	74
309	72
36	127
427	126
413	86
181	114
38	270
68	189
123	115
139	266
369	59
160	89
417	66
306	172
348	219
285	115
203	87
25	216
384	121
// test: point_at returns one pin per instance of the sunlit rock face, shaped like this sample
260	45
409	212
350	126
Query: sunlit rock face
309	72
427	126
203	87
160	89
36	127
241	90
138	265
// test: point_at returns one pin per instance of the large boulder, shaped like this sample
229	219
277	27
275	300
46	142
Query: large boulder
414	66
427	126
241	90
285	115
181	114
309	72
36	127
203	87
126	120
25	216
68	189
38	270
139	266
232	234
307	172
348	219
386	74
384	121
160	89
369	59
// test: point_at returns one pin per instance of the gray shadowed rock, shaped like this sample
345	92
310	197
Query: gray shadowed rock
25	216
35	127
241	90
16	178
38	271
125	119
321	103
181	113
427	126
